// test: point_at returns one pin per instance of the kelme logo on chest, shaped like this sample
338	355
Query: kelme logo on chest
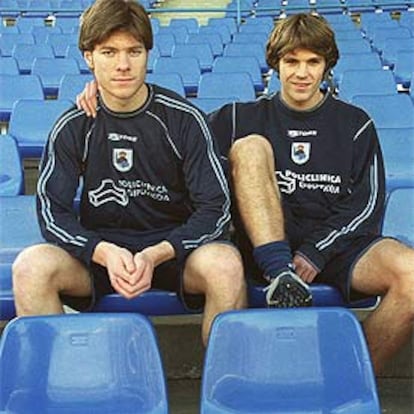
113	136
122	159
300	152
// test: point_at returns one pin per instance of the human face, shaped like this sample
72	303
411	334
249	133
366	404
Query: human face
119	65
301	72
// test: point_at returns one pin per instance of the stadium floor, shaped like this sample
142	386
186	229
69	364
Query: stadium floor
396	396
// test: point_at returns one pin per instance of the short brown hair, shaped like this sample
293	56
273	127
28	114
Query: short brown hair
104	17
306	31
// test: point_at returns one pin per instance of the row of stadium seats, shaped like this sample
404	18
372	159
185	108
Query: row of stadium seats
255	362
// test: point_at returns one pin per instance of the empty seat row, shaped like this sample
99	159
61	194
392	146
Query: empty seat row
255	362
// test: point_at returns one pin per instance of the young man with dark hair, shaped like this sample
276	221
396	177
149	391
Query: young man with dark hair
155	206
308	179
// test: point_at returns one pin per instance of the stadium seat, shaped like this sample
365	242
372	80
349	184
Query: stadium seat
230	22
60	42
153	55
172	81
273	83
19	226
25	24
388	111
180	33
353	46
208	105
72	51
38	8
165	43
223	85
380	36
67	24
404	67
366	82
8	66
31	122
360	6
394	45
9	9
399	217
249	64
247	37
26	54
69	9
40	33
288	361
9	40
7	308
397	146
251	49
213	39
202	51
71	85
83	364
15	87
223	31
11	170
51	71
191	23
187	67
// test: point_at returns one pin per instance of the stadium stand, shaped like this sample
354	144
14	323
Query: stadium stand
11	170
31	121
9	40
256	361
26	54
171	81
404	67
90	363
71	84
202	51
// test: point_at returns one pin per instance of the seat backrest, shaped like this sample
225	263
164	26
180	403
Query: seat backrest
71	85
290	360
84	364
61	41
165	43
249	49
8	66
172	81
213	39
26	54
9	40
366	82
223	31
212	104
219	85
397	145
15	87
249	64
31	122
230	22
191	23
11	170
399	219
404	67
202	51
388	111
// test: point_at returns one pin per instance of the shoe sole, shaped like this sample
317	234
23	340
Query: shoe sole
288	293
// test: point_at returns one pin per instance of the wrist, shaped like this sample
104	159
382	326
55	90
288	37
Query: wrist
159	253
101	251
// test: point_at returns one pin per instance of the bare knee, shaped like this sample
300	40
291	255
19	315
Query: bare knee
253	149
217	267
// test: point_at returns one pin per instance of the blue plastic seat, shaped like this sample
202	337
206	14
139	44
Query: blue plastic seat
172	81
26	54
165	43
180	33
69	8
212	104
388	111
404	67
7	308
223	85
353	46
288	361
31	122
213	39
8	66
394	45
25	23
249	64
202	51
38	8
60	42
229	22
51	71
67	24
397	146
191	23
366	82
223	31
9	40
153	56
72	51
11	170
83	364
71	85
250	49
40	33
19	226
9	8
187	67
15	87
399	218
273	83
380	36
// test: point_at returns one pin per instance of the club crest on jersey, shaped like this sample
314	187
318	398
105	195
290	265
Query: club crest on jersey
122	159
300	152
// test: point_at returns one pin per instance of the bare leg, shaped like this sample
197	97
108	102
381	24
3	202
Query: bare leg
41	273
256	189
387	269
216	271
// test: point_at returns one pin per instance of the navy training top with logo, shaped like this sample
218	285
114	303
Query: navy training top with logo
153	174
328	165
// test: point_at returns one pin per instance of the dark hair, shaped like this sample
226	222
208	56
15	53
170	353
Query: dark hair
104	17
305	31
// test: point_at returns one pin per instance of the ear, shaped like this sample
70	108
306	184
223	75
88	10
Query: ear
89	59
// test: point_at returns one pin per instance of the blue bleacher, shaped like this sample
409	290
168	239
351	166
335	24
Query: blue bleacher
249	49
288	361
172	81
8	66
83	364
202	51
26	54
71	85
404	67
213	39
11	169
165	43
32	120
15	87
223	31
9	40
191	23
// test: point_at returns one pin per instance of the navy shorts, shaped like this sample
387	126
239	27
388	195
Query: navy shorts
167	276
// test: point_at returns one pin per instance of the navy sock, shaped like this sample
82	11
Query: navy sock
273	257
